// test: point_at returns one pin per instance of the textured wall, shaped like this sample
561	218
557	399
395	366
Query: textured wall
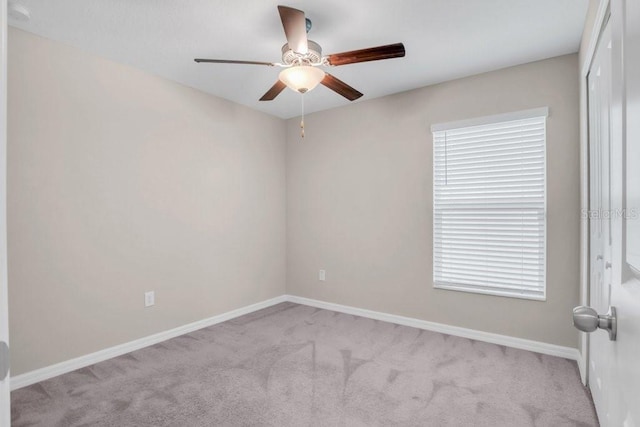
122	182
359	202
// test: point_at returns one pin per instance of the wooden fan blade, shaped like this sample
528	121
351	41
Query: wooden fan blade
274	91
228	61
340	87
295	28
389	51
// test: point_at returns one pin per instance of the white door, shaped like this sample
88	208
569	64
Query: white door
5	417
599	85
614	139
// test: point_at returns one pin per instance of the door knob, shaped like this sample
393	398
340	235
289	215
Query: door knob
587	319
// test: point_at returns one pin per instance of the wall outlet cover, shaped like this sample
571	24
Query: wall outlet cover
149	298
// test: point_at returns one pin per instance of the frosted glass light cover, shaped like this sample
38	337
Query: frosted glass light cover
302	78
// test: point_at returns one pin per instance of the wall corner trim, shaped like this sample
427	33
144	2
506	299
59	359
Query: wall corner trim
519	343
51	371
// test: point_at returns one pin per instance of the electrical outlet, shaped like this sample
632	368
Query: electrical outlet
322	275
149	298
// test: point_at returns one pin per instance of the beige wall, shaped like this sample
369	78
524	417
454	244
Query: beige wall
121	182
359	202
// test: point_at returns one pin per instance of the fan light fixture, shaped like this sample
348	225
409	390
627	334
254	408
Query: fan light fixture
301	57
301	78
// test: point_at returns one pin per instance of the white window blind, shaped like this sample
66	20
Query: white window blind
490	207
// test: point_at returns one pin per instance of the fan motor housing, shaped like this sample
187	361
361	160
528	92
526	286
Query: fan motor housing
313	55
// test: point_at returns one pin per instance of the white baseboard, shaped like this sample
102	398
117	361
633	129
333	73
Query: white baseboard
47	372
520	343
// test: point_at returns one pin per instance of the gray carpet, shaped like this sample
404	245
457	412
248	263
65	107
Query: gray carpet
294	365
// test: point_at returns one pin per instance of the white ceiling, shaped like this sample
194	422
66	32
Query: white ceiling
444	40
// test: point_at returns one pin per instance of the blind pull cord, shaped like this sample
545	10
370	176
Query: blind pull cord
446	174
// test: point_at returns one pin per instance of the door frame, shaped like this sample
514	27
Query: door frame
5	407
587	59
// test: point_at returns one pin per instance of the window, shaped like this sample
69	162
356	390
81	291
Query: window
489	221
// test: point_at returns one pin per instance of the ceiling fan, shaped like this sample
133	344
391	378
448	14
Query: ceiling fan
302	57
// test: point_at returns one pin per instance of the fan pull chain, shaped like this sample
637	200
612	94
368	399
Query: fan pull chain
302	117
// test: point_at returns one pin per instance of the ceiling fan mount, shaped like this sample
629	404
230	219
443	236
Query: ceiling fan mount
302	58
312	57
